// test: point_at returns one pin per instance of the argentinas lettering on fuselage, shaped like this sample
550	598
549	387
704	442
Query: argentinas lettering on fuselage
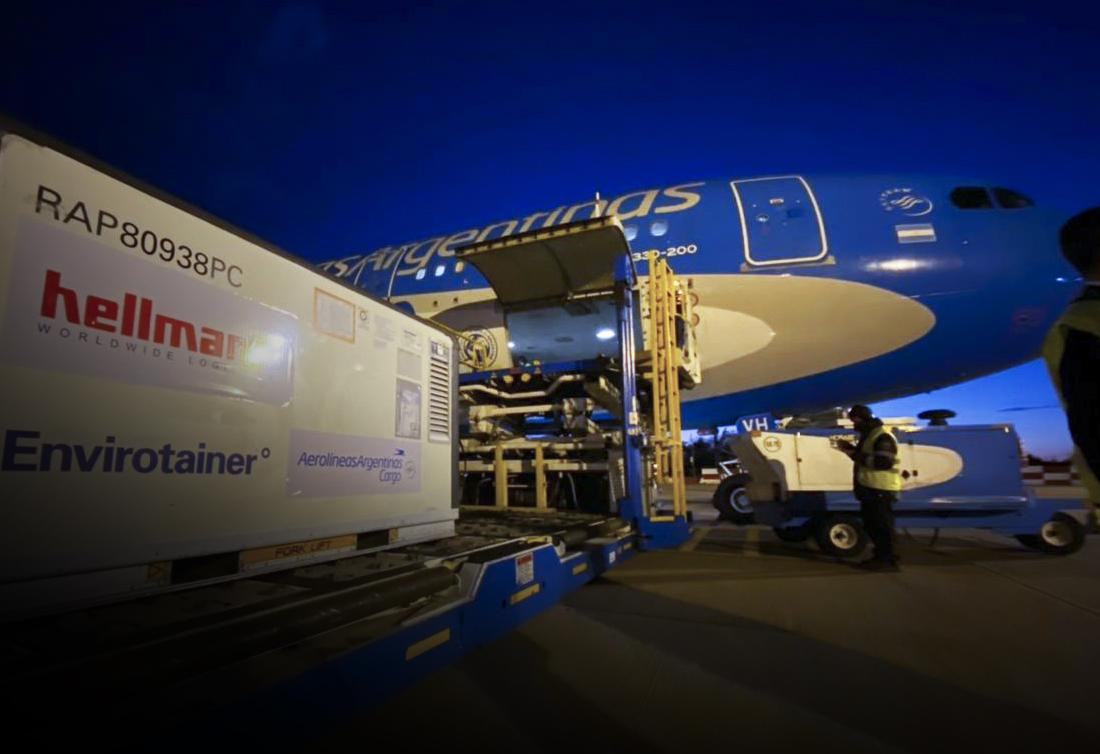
792	264
417	255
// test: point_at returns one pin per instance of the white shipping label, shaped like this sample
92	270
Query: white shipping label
408	410
76	305
409	364
333	315
411	341
525	569
387	330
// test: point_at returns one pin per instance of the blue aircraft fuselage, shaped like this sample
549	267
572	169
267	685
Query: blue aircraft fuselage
812	291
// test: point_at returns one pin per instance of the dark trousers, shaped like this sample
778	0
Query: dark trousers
876	509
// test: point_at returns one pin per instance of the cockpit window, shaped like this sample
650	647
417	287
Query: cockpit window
971	197
1010	199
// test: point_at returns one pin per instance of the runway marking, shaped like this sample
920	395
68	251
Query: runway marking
1040	590
752	546
699	535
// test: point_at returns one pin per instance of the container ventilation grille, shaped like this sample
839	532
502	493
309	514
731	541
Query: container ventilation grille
439	393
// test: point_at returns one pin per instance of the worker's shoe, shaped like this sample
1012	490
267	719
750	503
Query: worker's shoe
879	564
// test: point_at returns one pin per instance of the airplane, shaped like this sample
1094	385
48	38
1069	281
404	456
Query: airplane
812	291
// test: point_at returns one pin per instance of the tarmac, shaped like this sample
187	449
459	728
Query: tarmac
738	640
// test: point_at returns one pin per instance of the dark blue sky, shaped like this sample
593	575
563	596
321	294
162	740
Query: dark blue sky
331	128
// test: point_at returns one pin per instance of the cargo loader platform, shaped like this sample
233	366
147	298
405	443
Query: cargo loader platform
584	406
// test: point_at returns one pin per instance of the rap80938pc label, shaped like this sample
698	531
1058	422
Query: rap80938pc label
103	223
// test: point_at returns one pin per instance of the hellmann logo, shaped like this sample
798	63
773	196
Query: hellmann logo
136	317
25	450
80	308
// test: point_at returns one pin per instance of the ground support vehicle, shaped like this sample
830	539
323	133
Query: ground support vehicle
953	477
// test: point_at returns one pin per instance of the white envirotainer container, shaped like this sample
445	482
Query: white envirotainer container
182	403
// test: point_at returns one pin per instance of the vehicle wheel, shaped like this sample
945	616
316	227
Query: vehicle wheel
732	501
793	533
1061	535
842	535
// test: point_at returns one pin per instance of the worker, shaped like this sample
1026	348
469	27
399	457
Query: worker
877	482
1072	352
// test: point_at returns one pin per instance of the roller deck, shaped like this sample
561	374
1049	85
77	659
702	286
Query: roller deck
206	659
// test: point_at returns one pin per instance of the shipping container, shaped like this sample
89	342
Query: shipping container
182	402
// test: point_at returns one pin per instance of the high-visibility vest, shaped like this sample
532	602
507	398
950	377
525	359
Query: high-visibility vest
1085	316
867	475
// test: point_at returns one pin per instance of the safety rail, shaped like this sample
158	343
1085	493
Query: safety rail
664	376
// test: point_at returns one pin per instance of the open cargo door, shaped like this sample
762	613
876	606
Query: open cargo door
555	287
552	264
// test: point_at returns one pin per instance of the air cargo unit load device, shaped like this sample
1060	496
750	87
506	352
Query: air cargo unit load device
235	488
182	404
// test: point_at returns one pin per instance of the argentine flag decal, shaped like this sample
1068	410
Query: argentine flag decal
917	233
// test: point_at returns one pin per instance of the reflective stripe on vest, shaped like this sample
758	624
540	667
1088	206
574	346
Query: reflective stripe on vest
1084	316
877	479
